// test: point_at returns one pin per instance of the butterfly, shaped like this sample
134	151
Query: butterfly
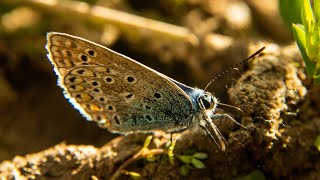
125	96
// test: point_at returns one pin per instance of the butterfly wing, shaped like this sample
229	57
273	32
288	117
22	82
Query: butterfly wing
119	93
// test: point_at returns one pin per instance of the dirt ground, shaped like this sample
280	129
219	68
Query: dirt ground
43	137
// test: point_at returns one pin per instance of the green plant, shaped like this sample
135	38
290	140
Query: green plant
317	142
192	161
308	38
255	175
290	11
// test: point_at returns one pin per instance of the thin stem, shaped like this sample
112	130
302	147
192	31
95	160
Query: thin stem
143	153
127	23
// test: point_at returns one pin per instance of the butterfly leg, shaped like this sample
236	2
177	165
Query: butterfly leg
216	131
179	130
209	133
219	116
222	142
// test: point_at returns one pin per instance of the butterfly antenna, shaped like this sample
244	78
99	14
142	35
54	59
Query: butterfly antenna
234	107
227	70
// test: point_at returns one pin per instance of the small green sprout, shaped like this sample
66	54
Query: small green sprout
191	162
308	38
184	170
317	142
133	175
197	163
255	175
200	155
170	151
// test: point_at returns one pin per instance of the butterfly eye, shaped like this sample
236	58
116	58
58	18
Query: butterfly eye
206	101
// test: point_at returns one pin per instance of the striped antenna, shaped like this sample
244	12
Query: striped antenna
227	70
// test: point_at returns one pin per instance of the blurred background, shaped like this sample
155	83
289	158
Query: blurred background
189	40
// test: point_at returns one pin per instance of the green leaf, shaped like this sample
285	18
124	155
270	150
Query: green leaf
290	11
306	15
147	141
255	175
316	40
197	163
317	142
300	36
184	158
316	6
133	175
200	155
312	36
184	170
151	158
317	80
311	31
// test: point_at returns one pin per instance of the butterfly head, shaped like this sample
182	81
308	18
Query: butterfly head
207	101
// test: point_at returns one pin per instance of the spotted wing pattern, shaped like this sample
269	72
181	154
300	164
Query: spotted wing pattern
117	92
